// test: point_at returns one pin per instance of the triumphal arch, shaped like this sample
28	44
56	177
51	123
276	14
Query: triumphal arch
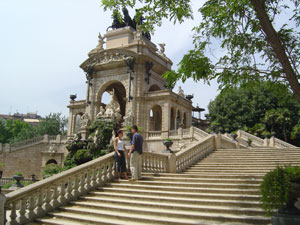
126	64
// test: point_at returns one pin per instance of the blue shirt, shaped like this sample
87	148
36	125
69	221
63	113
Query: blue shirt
137	141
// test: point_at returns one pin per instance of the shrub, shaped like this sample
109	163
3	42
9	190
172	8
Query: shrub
276	187
82	156
51	169
25	183
19	174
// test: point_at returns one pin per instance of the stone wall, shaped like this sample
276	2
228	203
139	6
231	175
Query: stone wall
30	159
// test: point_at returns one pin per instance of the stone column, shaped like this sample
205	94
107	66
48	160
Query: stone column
166	114
70	123
2	208
217	141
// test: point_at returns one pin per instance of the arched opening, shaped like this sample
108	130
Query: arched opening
51	161
178	119
77	123
184	121
154	87
115	90
172	119
156	118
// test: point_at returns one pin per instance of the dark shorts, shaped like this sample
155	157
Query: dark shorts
120	162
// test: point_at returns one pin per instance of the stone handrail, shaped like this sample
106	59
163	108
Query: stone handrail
186	158
37	199
282	144
200	133
155	162
226	142
255	140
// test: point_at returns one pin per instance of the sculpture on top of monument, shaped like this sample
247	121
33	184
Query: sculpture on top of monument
84	121
126	20
101	41
180	91
162	49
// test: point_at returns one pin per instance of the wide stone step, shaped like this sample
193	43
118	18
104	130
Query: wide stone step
189	184
186	189
154	216
177	199
112	202
197	180
177	194
205	175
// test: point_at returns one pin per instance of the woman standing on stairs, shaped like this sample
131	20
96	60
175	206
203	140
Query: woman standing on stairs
119	147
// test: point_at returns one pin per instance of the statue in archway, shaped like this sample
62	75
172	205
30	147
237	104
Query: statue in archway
101	113
128	119
84	121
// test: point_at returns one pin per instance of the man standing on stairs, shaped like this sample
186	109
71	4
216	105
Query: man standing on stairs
135	154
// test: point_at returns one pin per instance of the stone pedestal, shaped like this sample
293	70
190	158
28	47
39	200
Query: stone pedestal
2	206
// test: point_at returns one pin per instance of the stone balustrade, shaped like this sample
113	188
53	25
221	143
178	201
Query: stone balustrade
154	134
155	162
256	141
200	133
191	155
37	199
277	143
27	143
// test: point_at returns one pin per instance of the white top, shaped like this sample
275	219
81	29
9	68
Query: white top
120	145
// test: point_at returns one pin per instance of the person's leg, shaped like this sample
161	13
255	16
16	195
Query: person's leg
123	165
133	165
118	167
140	167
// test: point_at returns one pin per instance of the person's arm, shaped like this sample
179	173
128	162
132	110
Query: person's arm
131	147
115	147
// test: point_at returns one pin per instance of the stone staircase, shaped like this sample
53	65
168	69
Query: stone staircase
221	189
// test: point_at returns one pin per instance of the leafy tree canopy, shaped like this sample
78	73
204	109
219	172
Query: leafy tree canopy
260	39
17	130
261	109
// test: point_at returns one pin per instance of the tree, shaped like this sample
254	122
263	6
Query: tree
260	41
17	130
261	110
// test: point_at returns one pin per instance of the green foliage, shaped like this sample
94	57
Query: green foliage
1	165
16	130
51	169
262	109
19	174
82	156
276	187
168	139
248	51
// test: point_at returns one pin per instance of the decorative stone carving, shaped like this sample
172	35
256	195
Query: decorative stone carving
101	42
180	91
53	148
101	113
128	119
162	49
84	121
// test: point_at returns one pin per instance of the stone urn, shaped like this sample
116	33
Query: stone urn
18	179
73	97
289	214
249	143
168	144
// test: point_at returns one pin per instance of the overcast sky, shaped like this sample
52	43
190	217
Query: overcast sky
42	44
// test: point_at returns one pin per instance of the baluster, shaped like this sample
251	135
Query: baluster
39	208
99	176
82	184
47	206
13	214
94	178
31	205
88	180
75	191
54	202
112	170
69	190
105	178
62	198
22	211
